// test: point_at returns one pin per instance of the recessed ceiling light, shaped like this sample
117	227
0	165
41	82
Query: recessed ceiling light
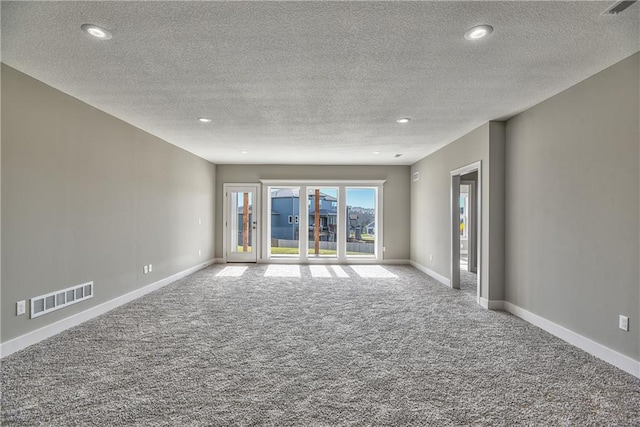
478	32
243	152
403	120
204	120
376	152
96	31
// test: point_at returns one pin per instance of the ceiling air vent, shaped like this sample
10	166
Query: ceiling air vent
618	7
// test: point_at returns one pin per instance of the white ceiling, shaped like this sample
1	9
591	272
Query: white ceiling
314	82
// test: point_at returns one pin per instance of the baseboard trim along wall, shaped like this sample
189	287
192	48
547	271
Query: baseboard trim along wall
395	262
618	360
491	304
48	331
431	273
328	261
600	351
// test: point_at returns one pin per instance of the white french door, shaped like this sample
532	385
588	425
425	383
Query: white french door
242	213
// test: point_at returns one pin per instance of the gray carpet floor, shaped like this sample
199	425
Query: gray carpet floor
468	282
255	350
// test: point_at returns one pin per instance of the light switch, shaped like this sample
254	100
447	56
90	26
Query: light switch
21	307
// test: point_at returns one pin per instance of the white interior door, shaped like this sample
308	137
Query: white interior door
242	213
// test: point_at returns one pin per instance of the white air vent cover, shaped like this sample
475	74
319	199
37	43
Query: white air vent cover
416	176
55	300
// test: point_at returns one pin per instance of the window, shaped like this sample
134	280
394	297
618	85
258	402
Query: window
361	221
323	220
464	211
284	230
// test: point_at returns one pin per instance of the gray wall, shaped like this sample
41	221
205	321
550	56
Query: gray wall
86	197
496	211
572	209
430	205
396	194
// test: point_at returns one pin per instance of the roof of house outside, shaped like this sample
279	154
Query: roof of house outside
295	192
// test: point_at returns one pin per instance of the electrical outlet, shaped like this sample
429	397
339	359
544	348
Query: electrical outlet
384	249
430	257
21	307
199	220
150	268
199	252
623	323
145	269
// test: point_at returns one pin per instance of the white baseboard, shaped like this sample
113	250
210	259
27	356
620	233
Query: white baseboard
492	304
330	261
395	261
431	273
598	350
45	332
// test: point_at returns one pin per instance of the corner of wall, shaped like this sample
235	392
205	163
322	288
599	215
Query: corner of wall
497	177
1	67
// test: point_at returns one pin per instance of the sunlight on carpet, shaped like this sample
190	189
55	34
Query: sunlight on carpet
276	270
339	271
373	271
319	271
232	271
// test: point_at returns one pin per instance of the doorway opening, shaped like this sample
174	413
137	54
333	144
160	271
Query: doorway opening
241	213
465	229
468	233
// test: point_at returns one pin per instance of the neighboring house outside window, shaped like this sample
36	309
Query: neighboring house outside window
285	210
371	228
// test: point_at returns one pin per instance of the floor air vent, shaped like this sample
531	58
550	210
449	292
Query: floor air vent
56	300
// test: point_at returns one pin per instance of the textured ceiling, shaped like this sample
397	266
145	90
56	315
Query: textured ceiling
314	82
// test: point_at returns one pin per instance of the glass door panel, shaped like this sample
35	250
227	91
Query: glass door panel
284	233
361	221
241	224
323	210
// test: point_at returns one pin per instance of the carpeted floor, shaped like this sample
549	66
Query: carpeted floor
468	282
255	350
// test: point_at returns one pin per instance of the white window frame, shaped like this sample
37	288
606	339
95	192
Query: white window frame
341	185
338	228
266	215
378	248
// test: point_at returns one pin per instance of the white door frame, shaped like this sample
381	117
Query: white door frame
455	224
256	215
472	226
